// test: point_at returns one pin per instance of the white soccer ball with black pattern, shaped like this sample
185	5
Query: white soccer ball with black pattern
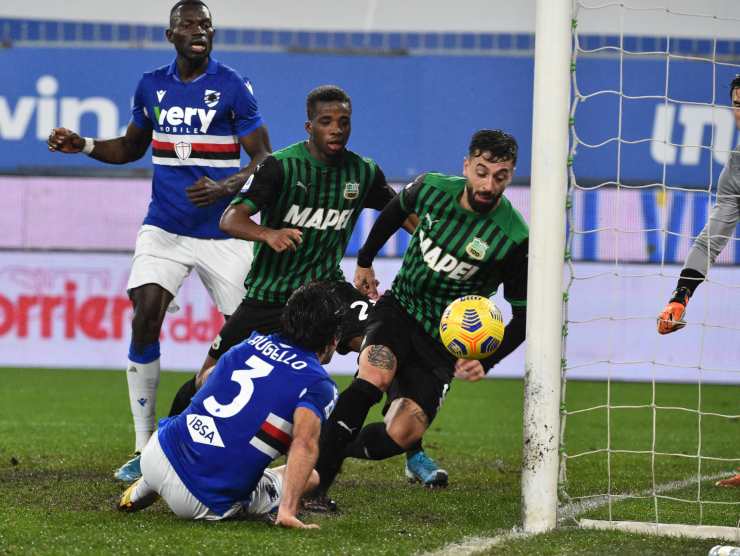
471	327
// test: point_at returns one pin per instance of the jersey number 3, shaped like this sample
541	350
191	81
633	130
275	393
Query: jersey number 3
243	377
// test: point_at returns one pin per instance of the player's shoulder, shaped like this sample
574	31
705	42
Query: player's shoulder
156	74
512	221
733	161
443	182
229	74
352	156
294	151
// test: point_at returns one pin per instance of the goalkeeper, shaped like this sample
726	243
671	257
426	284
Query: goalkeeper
713	238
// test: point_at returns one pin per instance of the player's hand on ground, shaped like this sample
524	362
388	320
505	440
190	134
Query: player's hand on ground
284	239
65	140
206	191
366	283
469	369
292	522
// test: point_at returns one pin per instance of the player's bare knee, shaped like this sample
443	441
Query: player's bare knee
378	366
408	424
150	305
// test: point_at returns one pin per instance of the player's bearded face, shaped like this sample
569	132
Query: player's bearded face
486	181
736	106
191	31
330	128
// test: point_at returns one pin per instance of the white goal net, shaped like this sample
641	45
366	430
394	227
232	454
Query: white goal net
653	421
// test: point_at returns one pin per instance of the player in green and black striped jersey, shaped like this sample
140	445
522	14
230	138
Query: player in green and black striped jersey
316	204
309	196
469	240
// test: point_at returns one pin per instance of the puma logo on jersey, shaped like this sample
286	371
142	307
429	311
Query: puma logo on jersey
318	219
444	263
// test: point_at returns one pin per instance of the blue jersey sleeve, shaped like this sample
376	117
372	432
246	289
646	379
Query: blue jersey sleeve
246	114
139	113
320	397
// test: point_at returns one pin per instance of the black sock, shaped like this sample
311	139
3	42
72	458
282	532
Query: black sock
342	427
414	448
373	442
182	398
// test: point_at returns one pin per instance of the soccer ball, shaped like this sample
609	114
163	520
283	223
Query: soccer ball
471	327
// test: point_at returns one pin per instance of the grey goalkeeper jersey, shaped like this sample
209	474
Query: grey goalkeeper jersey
722	220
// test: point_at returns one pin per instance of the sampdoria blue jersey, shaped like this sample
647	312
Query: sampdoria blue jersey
242	418
195	132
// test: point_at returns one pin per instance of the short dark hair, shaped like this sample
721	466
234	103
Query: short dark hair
734	84
500	144
182	3
325	93
312	317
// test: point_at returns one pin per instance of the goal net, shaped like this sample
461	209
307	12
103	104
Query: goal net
649	423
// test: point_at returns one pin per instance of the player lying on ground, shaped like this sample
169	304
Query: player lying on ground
265	397
469	241
309	195
196	113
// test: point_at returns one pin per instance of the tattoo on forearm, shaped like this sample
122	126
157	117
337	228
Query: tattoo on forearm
381	357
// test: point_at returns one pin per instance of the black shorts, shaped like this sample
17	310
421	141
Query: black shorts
425	368
253	315
359	307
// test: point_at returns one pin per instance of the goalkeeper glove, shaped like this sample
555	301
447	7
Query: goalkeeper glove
671	319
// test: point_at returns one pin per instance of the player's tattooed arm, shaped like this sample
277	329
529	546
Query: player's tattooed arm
381	357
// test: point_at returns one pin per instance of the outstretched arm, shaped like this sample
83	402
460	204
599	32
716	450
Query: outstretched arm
304	451
719	228
120	150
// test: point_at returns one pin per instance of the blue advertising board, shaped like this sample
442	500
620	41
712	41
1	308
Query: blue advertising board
411	113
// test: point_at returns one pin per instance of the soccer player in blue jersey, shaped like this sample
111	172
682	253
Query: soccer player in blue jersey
265	397
197	114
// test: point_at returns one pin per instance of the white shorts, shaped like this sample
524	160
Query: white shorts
166	259
159	476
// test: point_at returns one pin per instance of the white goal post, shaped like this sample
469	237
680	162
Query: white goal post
546	502
548	192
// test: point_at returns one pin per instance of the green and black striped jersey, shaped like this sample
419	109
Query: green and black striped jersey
292	189
456	252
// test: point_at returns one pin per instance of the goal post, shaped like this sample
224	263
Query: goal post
631	127
548	194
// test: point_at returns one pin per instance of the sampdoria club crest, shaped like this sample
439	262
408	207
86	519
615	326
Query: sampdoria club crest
211	97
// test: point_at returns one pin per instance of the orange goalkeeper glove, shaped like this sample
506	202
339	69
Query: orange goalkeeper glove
671	318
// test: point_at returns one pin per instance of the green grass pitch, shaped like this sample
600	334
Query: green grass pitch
62	433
